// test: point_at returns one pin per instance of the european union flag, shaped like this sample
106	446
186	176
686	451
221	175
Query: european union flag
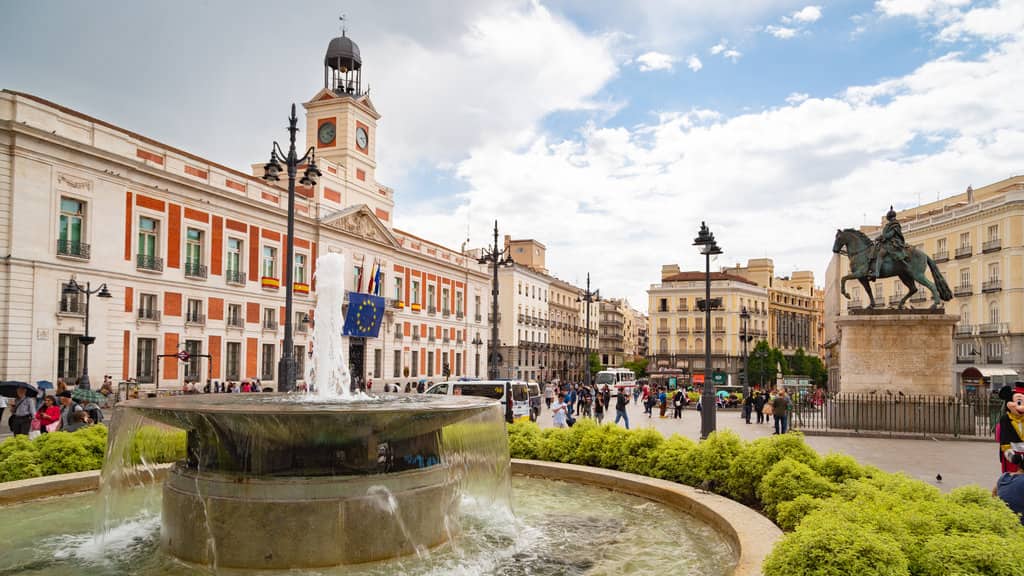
365	312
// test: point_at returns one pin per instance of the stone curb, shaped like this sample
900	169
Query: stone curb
60	485
752	534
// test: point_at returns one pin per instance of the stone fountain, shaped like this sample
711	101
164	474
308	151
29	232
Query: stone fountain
278	481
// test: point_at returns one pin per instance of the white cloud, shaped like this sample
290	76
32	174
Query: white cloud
615	200
807	14
732	54
650	61
919	8
726	51
1006	18
720	47
694	63
796	97
781	32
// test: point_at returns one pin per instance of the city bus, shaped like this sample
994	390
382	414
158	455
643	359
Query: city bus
622	378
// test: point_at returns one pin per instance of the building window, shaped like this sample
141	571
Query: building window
234	263
269	262
71	303
270	318
300	361
300	269
476	305
378	362
72	231
399	296
445	299
940	245
147	307
194	253
682	346
194	312
396	369
145	361
663	346
993	272
663	305
965	277
235	315
993	313
719	346
149	244
192	367
719	325
233	361
430	363
357	278
267	366
965	239
416	292
414	369
69	356
994	350
458	363
431	301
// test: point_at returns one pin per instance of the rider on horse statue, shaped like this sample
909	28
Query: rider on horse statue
890	242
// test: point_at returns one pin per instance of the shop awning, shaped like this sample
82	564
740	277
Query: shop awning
989	372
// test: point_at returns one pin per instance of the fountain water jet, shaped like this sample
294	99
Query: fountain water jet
327	372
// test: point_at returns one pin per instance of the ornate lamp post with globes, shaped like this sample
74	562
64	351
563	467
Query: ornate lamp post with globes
271	173
589	296
73	288
495	258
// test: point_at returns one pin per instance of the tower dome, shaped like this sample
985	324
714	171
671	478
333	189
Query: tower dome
343	67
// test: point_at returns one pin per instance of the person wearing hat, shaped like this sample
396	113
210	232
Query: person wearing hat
23	409
68	408
890	242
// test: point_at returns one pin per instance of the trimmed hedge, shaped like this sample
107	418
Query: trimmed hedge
84	449
841	518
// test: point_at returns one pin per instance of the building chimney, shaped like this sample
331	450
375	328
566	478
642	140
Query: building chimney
970	195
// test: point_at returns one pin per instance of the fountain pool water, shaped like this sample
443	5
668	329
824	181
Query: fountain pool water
558	529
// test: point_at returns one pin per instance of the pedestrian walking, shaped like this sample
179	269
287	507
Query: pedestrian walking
48	416
677	403
780	411
621	403
23	409
69	408
599	407
662	402
759	401
636	394
549	394
559	412
748	407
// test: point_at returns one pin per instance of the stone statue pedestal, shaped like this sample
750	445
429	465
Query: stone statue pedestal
897	350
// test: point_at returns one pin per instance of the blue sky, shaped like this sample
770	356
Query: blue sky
585	124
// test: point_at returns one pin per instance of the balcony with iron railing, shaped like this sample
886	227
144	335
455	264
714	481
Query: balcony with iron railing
919	296
996	357
149	314
234	277
490	317
431	338
993	245
963	290
195	319
235	322
941	256
895	299
150	263
445	340
664	330
994	328
459	314
446	312
71	306
302	327
718	330
269	324
70	249
992	285
854	304
964	251
964	330
478	318
194	269
965	359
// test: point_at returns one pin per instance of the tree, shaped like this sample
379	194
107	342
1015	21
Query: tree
638	366
595	364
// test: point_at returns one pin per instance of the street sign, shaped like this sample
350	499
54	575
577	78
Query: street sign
183	356
718	377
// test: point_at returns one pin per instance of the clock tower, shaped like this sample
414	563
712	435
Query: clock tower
341	122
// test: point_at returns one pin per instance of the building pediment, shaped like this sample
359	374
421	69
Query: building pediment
360	221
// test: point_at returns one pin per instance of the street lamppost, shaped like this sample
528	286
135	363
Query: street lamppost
744	339
762	356
495	258
73	288
706	240
271	173
477	342
589	296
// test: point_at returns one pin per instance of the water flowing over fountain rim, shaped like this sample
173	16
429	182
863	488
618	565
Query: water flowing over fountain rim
267	404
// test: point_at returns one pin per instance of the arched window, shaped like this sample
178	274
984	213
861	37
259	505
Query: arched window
663	346
682	345
698	345
719	346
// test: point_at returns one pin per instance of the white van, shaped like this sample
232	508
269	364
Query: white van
496	389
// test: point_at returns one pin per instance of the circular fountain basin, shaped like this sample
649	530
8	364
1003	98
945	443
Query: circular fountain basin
276	481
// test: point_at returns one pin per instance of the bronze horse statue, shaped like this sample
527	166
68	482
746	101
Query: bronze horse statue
858	247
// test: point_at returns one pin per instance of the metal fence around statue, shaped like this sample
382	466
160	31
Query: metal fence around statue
896	414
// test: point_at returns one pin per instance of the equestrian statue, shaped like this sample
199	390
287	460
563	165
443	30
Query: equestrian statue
889	256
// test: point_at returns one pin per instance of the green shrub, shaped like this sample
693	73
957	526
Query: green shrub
789	479
839	468
971	555
157	445
836	549
14	444
94	438
669	460
523	439
20	465
64	452
637	453
555	445
707	465
597	445
788	514
757	457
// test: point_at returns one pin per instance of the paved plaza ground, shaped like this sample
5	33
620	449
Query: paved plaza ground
959	462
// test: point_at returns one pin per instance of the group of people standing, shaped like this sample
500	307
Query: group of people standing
769	407
569	401
53	413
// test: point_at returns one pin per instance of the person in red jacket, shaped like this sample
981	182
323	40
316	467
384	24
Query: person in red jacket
47	414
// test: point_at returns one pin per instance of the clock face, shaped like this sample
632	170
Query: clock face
361	137
326	133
